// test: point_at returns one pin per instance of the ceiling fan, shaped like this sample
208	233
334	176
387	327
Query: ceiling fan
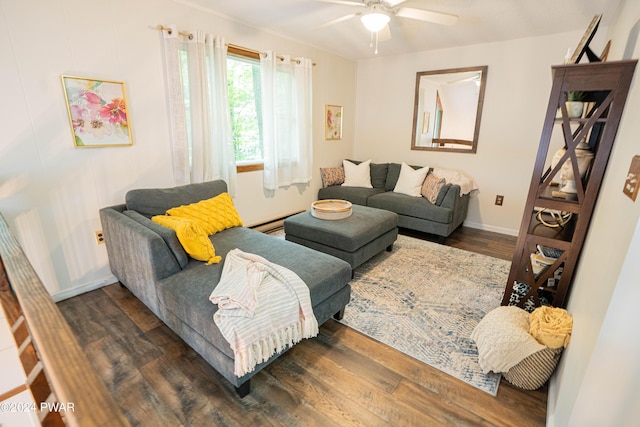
378	13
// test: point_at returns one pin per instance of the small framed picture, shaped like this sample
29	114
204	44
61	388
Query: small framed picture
98	112
333	122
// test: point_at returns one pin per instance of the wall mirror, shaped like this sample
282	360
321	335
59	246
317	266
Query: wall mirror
447	109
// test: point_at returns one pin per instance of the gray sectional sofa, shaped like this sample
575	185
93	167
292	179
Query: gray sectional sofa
149	260
415	213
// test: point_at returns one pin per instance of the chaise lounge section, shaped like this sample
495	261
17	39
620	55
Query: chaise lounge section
149	260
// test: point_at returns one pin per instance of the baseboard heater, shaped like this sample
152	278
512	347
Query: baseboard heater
272	224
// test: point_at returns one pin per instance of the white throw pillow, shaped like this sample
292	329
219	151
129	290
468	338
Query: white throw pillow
410	180
357	175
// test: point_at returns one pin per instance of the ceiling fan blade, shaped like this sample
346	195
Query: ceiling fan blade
338	20
384	34
427	15
394	3
345	2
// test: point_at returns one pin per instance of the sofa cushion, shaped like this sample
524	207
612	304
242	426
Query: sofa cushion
168	235
157	201
410	180
356	195
431	188
357	175
378	173
332	176
417	207
192	237
393	173
213	215
186	294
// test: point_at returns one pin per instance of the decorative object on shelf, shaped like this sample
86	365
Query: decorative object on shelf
584	159
566	177
553	218
331	209
583	44
333	122
98	112
560	219
631	183
575	103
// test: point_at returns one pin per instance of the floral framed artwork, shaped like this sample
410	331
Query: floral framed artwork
333	122
98	112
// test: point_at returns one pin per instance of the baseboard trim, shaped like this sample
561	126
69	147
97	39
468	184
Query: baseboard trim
501	230
63	295
272	224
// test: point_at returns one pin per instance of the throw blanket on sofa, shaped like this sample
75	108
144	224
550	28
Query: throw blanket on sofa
263	308
467	185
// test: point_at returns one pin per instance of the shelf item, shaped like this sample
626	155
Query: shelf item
566	182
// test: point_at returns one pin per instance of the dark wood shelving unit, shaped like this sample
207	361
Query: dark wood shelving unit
604	86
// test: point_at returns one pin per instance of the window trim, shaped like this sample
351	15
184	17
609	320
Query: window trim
250	167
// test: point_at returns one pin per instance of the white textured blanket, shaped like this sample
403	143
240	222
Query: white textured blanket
503	339
263	308
467	185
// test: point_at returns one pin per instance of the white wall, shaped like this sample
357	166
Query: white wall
516	97
50	192
598	380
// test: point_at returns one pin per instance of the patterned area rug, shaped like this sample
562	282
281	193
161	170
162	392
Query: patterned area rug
425	299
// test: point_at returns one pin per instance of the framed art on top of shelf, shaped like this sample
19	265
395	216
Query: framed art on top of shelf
583	44
333	122
98	112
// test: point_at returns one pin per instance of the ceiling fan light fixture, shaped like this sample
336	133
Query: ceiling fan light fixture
375	21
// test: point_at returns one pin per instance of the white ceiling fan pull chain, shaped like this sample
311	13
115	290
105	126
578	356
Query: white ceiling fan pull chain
376	51
371	41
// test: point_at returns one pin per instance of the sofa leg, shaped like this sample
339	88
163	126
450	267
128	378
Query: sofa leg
442	240
390	248
244	389
339	315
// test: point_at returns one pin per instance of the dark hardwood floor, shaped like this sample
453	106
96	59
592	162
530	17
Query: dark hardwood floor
340	377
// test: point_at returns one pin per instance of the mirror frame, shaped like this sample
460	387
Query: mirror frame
474	144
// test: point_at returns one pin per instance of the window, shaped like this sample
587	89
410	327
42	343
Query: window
243	79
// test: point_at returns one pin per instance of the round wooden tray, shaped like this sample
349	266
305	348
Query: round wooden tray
331	209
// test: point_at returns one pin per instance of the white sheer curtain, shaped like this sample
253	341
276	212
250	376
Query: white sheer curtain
286	113
201	137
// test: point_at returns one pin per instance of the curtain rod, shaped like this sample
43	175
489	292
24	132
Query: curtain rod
190	37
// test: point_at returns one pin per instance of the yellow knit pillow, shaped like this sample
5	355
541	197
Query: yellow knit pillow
213	215
191	236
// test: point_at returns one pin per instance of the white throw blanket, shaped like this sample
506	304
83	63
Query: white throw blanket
263	308
503	339
467	185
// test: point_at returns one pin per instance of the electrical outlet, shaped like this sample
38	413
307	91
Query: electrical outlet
499	200
99	237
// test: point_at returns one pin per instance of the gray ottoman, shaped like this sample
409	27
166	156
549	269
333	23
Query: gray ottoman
354	239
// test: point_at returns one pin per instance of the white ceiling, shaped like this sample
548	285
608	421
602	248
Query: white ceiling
480	21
